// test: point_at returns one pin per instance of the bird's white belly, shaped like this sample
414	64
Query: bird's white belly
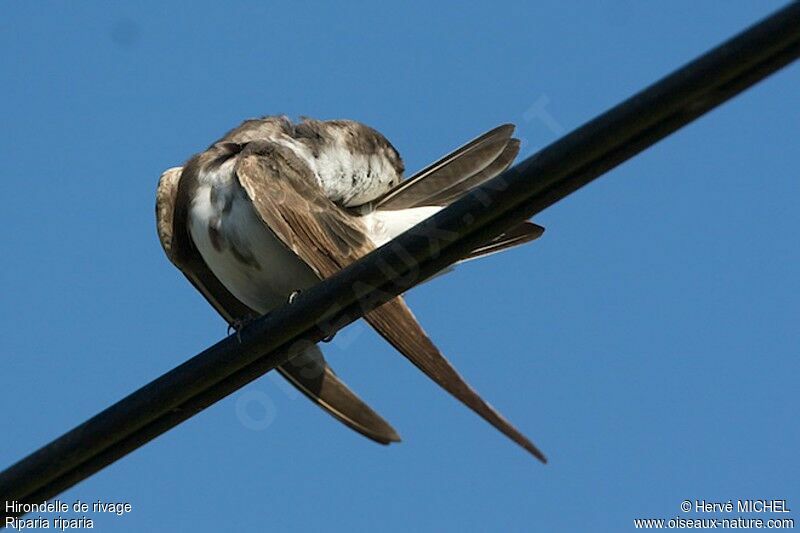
244	254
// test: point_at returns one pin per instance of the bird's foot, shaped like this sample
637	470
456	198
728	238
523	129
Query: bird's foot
294	295
237	325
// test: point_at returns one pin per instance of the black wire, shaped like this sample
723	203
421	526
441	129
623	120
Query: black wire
519	193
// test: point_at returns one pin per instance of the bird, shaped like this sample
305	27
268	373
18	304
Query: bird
274	206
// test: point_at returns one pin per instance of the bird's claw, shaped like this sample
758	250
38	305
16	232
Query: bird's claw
294	295
237	325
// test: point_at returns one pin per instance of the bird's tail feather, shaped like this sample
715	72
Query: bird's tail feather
395	323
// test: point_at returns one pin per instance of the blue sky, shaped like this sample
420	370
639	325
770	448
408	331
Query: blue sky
648	342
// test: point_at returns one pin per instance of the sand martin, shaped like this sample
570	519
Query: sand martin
274	206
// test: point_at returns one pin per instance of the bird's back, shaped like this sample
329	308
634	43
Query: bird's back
353	163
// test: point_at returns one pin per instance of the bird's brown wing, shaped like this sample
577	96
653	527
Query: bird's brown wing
284	192
456	173
312	376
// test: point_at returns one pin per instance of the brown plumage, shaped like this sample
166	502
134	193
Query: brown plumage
274	165
321	385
